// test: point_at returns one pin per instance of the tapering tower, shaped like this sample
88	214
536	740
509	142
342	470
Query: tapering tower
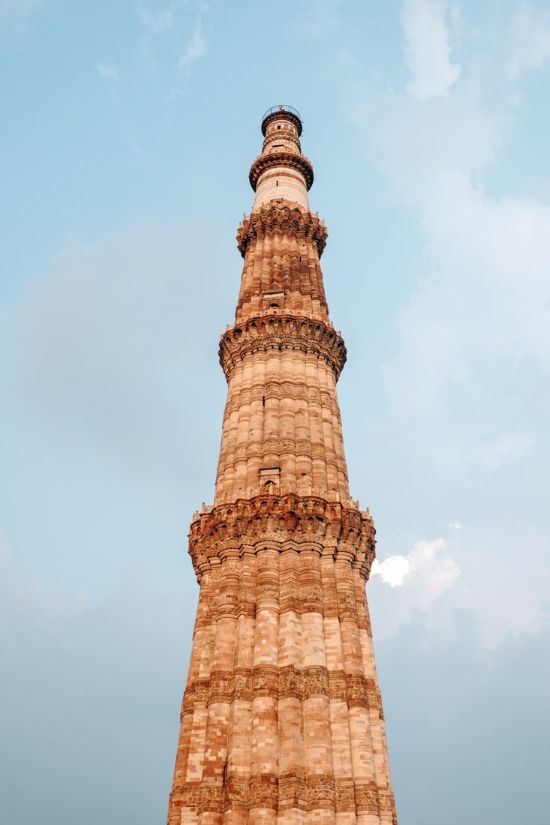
281	721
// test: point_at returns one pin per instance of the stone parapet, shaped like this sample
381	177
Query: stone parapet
286	159
280	216
285	114
282	522
280	332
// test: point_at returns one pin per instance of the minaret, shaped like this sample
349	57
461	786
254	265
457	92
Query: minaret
281	722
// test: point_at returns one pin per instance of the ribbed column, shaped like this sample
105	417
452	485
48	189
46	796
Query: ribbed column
339	712
366	796
376	716
239	748
291	725
317	733
282	412
265	741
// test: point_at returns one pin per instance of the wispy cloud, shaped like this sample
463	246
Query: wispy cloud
178	30
496	452
195	48
489	454
529	40
108	71
467	380
485	253
428	50
156	21
110	75
16	15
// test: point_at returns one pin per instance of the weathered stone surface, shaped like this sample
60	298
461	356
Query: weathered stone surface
280	218
281	720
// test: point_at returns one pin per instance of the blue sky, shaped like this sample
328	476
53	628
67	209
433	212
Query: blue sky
128	130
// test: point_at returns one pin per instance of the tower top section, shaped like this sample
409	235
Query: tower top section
281	171
282	112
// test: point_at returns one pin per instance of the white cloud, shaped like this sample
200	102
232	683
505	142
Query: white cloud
485	296
529	40
428	51
475	570
467	382
426	562
485	291
108	71
456	525
416	144
195	48
393	570
183	22
158	21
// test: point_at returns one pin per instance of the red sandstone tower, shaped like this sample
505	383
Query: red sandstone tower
281	721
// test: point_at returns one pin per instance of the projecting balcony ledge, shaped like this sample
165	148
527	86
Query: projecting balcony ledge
267	332
289	159
285	217
282	111
283	521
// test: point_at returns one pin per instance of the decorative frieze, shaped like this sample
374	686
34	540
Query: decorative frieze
289	160
283	446
356	690
285	521
285	792
295	390
262	334
284	218
366	798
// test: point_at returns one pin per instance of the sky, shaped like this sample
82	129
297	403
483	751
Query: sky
128	130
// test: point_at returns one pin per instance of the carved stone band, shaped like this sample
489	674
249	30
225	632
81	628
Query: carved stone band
355	690
279	333
283	522
289	159
258	449
285	792
282	389
285	218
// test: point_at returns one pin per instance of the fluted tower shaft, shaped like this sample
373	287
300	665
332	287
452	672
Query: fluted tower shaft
281	720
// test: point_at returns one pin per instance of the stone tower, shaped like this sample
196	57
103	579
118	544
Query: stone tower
281	721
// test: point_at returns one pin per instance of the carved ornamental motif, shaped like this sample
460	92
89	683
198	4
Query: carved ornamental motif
284	389
281	216
289	160
283	683
281	332
285	792
284	521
